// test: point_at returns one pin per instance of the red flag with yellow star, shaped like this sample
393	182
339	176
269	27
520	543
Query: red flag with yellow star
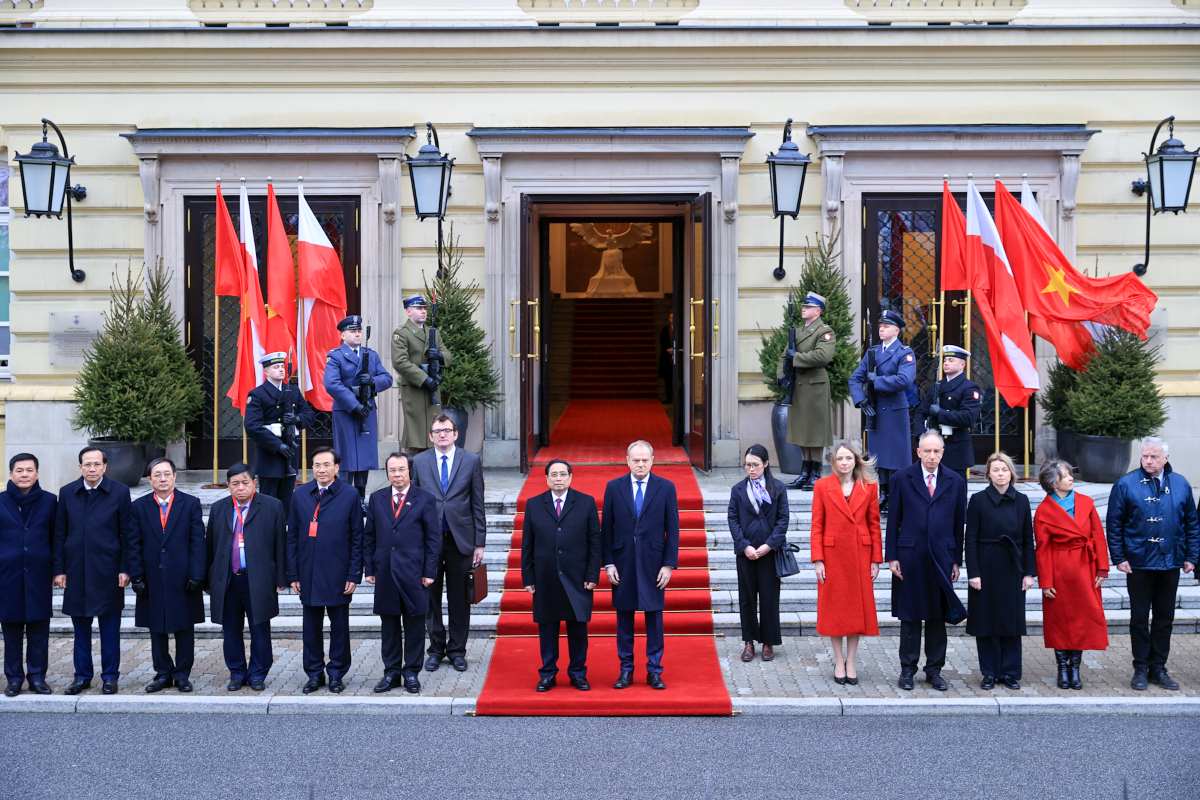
1056	295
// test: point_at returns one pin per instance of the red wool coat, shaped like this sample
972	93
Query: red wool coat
1071	552
845	535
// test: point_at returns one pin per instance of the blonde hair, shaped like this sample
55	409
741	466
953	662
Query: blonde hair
1005	459
864	468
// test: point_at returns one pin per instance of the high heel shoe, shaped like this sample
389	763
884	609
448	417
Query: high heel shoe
839	681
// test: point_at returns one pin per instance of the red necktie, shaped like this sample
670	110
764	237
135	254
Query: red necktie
558	507
929	483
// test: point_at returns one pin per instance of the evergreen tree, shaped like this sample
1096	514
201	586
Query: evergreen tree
1053	399
1116	395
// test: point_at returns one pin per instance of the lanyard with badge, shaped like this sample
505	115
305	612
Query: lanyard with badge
240	532
312	525
398	505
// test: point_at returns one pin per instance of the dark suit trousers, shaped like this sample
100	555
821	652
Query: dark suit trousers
279	488
110	646
935	645
402	640
339	641
654	640
999	656
758	599
1151	591
577	647
185	654
452	572
37	656
236	612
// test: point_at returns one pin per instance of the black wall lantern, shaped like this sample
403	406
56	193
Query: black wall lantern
787	169
1169	170
46	185
430	174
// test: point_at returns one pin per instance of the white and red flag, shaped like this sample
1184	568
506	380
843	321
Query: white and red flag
281	283
248	371
322	292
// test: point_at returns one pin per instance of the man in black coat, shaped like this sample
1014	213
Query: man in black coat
247	568
924	548
93	534
402	546
276	412
951	407
166	560
26	534
560	567
324	557
640	550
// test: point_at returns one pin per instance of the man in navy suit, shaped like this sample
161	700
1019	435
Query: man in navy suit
166	562
324	557
402	546
640	534
924	548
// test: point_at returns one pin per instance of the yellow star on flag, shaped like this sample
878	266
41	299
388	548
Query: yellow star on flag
1058	284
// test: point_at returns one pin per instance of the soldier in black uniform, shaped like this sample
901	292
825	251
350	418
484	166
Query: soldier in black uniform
275	414
952	408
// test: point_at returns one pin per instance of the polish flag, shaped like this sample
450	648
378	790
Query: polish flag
248	371
228	278
281	283
1014	370
322	305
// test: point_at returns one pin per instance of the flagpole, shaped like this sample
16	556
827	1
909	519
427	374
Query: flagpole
1026	448
301	353
967	329
216	379
941	330
996	419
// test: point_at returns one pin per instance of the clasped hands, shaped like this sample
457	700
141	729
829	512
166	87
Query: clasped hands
664	576
755	553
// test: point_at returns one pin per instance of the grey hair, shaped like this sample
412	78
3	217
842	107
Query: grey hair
1050	472
639	443
931	434
1154	441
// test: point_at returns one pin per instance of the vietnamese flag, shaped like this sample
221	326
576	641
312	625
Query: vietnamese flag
954	244
248	370
1059	297
322	305
228	262
281	283
1014	370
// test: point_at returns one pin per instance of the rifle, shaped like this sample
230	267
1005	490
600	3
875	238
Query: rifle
290	400
365	391
787	381
870	401
435	362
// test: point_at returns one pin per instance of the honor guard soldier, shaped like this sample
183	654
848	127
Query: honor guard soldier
354	374
952	408
884	387
810	423
275	414
411	360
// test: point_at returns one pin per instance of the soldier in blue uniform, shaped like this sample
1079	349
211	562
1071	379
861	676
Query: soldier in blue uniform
355	423
884	387
952	409
275	414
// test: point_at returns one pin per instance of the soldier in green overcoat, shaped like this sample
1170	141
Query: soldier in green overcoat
410	343
810	422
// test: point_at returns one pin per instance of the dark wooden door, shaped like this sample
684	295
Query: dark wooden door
699	339
529	321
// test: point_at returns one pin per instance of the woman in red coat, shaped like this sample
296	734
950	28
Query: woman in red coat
846	553
1072	562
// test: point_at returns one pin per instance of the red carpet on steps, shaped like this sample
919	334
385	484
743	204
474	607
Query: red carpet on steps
594	434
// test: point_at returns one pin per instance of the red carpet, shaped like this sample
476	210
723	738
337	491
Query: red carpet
591	431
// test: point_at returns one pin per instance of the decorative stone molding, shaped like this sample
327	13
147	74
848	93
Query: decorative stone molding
1070	182
771	13
389	213
618	11
491	188
112	13
919	11
261	12
449	13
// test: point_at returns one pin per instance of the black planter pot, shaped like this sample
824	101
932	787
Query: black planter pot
461	418
789	457
1065	445
126	460
1101	459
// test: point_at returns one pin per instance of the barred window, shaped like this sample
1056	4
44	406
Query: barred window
5	256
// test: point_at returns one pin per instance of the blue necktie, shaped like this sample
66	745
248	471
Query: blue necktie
445	474
637	499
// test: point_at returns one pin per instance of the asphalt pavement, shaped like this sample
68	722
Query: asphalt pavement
216	756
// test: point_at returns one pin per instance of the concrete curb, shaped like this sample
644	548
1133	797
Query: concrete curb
788	706
920	706
1145	706
424	706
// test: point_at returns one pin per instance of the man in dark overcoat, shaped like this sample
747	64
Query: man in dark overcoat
355	424
560	565
247	568
402	546
26	575
924	548
93	535
167	566
640	549
324	556
276	413
880	386
952	406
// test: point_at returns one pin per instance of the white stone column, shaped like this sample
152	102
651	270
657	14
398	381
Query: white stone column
724	375
495	298
150	171
385	280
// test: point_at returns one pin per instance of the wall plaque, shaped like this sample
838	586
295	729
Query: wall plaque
70	334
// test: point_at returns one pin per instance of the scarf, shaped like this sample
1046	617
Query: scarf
24	501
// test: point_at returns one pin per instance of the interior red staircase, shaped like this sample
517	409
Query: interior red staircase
614	349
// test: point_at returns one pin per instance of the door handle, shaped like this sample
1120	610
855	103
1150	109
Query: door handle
537	330
716	327
692	303
932	327
512	328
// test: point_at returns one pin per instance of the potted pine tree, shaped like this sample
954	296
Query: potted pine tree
1053	402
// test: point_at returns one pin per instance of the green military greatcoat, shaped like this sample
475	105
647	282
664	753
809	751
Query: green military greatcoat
409	343
810	422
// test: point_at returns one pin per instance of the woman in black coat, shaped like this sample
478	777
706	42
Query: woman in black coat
758	523
1000	569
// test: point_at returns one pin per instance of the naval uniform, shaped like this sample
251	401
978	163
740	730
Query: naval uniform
266	406
959	402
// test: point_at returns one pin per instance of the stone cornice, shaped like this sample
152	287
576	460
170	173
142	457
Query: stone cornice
726	141
843	139
155	142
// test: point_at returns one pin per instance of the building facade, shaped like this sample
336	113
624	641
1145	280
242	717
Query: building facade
581	128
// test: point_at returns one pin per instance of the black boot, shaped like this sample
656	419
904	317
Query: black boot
809	476
1076	660
1063	659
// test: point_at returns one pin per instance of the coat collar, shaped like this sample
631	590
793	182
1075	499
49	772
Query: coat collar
918	479
950	384
421	332
848	507
103	486
1010	495
568	501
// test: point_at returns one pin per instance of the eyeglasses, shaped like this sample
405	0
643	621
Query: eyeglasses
438	431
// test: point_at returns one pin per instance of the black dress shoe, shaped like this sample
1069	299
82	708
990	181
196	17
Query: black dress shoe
184	685
1139	682
546	684
12	690
988	683
655	681
336	686
40	687
387	683
313	684
109	687
257	684
581	684
156	685
1163	679
936	681
433	662
624	680
1010	682
906	681
77	686
235	684
411	684
459	663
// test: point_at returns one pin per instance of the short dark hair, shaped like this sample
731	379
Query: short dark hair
1050	472
407	460
161	460
238	468
91	449
562	461
19	457
443	418
321	450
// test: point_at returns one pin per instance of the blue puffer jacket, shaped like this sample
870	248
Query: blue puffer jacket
1153	529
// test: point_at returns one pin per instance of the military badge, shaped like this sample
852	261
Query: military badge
827	337
908	357
974	395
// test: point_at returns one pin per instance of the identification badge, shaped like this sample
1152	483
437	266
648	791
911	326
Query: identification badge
312	529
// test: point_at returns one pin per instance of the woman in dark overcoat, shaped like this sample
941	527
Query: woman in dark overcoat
1000	569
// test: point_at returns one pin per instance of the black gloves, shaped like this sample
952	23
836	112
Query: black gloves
789	355
364	379
361	411
429	384
193	586
871	376
934	410
139	586
286	452
289	418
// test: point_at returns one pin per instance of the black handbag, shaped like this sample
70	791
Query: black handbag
785	560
